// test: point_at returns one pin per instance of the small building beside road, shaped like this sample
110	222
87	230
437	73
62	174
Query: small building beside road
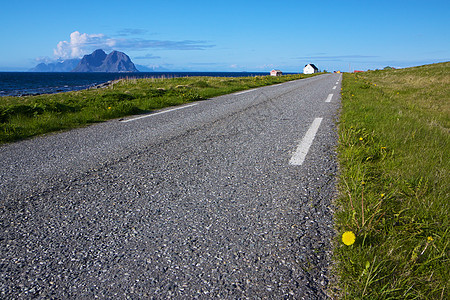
276	73
310	69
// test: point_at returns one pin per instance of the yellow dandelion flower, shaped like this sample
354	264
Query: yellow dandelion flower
360	138
348	238
430	239
109	107
382	195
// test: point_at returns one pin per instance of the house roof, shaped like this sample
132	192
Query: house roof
313	66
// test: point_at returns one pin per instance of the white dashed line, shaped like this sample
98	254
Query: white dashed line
299	156
329	98
247	91
158	113
334	87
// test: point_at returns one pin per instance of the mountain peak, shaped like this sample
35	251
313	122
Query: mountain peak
99	51
99	61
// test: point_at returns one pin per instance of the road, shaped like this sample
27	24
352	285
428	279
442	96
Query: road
224	198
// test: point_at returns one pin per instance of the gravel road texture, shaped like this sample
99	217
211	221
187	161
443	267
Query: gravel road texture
199	202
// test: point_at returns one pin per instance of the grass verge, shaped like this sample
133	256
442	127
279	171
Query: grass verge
394	185
24	117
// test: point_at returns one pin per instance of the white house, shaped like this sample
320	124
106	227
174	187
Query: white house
310	69
276	73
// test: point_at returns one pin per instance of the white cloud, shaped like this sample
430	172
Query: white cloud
84	43
79	45
148	56
43	59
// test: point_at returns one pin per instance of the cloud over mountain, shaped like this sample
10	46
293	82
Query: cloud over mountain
83	43
80	44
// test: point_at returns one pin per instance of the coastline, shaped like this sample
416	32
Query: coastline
24	117
19	84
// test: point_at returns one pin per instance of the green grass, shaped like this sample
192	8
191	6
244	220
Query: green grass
24	117
394	185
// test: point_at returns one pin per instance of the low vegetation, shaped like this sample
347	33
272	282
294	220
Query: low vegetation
394	186
24	117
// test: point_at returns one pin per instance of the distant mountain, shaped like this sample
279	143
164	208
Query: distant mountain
99	61
60	66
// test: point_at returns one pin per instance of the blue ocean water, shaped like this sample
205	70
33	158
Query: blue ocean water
31	83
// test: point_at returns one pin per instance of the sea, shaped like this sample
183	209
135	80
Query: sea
35	83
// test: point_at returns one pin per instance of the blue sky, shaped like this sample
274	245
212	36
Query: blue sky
229	35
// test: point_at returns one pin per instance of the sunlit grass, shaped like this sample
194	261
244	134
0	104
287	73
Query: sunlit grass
24	117
394	155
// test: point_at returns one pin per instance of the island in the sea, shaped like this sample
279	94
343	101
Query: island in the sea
97	61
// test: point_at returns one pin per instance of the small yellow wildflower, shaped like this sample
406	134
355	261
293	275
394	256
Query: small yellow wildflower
430	239
382	195
109	107
348	238
360	138
383	148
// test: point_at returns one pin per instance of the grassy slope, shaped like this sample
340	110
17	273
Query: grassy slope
394	185
24	117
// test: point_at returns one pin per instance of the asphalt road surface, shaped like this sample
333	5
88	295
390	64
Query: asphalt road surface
224	198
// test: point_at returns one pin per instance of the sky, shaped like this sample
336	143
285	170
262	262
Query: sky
229	35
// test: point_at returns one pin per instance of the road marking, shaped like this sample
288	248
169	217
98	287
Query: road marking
299	156
334	87
337	82
329	98
159	113
247	91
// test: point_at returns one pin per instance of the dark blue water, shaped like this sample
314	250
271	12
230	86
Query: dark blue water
20	84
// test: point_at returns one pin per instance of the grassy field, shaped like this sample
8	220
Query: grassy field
24	117
394	187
